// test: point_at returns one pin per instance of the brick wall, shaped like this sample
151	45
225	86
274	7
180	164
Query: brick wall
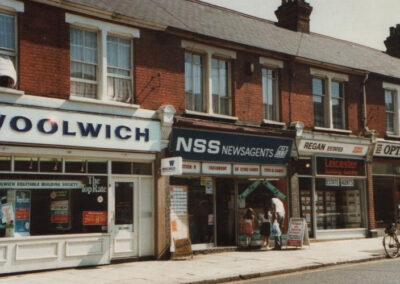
43	51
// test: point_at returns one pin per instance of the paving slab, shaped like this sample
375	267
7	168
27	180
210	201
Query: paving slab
216	267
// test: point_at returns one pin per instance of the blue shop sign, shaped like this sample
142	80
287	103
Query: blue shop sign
229	147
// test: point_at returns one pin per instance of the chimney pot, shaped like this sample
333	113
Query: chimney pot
294	15
392	42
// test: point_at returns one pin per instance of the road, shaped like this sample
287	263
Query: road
383	271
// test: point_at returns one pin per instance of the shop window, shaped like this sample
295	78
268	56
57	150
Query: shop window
338	203
56	204
50	165
97	167
382	168
306	208
5	163
385	200
142	168
75	166
123	203
124	168
25	164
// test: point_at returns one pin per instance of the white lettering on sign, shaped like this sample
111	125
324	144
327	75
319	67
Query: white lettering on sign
247	170
387	150
273	171
310	146
218	169
37	184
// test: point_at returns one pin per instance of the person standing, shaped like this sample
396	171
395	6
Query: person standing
248	225
278	211
265	229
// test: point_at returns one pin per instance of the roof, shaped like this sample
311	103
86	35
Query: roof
225	24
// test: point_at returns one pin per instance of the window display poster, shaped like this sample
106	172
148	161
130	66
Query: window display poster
59	209
179	219
8	213
94	218
22	212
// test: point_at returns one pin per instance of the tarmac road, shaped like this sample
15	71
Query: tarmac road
382	271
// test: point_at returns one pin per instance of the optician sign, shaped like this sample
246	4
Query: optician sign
314	146
23	124
387	150
229	147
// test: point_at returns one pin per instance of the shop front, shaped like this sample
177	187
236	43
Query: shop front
225	174
332	192
386	182
76	189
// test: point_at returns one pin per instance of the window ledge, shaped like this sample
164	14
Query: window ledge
341	131
273	122
100	102
392	135
211	115
9	91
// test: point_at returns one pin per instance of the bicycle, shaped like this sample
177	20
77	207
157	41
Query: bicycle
391	242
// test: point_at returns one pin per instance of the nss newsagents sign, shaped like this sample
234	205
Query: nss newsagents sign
228	147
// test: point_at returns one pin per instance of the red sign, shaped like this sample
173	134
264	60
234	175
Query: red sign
94	218
21	213
59	219
340	167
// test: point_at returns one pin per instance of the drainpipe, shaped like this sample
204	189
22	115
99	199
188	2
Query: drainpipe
365	103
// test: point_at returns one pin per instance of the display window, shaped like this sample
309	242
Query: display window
56	204
338	203
306	209
200	209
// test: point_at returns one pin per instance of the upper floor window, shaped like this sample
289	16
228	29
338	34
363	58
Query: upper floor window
101	60
390	110
84	63
328	98
269	94
207	79
7	35
194	81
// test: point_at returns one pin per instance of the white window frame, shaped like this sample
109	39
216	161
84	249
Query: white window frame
327	78
274	65
395	89
210	52
104	29
12	7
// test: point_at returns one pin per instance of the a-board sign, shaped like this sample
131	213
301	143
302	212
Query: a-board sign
183	248
297	233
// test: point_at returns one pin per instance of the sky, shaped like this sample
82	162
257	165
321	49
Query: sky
366	22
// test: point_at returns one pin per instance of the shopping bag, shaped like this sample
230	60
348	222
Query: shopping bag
275	230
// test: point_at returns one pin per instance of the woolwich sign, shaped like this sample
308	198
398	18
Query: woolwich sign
37	126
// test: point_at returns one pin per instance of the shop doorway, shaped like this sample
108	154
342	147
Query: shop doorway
124	222
225	205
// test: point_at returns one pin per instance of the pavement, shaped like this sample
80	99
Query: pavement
216	267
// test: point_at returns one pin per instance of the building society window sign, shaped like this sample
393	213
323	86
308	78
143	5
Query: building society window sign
229	147
171	166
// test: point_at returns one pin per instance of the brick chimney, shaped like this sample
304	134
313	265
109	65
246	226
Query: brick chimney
294	15
392	42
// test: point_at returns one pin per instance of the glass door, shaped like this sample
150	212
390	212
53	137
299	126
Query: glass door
124	223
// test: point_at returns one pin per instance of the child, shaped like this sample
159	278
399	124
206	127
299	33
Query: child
265	229
248	223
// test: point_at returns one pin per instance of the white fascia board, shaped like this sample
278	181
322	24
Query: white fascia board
13	6
101	25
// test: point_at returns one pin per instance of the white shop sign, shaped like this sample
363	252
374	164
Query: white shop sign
383	149
216	169
53	127
273	171
38	184
171	166
314	146
191	167
246	170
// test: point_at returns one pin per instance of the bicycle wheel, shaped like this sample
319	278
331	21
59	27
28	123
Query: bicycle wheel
390	244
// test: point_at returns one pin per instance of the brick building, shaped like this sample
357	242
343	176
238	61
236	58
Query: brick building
104	90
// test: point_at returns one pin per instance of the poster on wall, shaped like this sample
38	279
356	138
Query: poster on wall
179	218
59	210
22	212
